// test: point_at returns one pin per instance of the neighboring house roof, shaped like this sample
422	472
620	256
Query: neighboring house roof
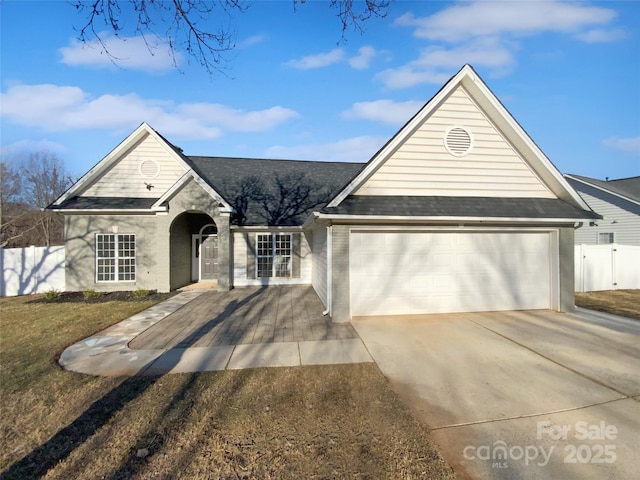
460	207
626	188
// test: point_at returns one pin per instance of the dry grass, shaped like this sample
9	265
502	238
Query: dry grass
618	302
305	422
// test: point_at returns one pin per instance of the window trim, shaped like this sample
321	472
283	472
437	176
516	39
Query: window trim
116	258
274	256
612	236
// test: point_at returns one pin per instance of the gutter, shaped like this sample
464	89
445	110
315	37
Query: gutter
329	269
100	211
442	219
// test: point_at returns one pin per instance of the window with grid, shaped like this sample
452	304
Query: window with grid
115	257
604	238
273	255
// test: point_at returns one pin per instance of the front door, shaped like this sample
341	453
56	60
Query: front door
209	258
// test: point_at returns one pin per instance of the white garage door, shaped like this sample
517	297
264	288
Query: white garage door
400	273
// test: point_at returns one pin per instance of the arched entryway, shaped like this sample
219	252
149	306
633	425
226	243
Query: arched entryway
193	249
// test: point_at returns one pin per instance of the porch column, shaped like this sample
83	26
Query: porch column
225	252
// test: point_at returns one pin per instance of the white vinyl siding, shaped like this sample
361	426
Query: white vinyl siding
423	166
622	218
401	273
319	260
125	180
115	257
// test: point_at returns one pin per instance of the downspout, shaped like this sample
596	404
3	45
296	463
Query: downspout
329	270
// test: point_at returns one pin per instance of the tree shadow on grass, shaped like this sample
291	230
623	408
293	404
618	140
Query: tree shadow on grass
37	463
61	445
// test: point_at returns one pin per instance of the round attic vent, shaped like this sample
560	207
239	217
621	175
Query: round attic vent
149	168
457	141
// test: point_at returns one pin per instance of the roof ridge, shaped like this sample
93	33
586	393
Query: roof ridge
273	159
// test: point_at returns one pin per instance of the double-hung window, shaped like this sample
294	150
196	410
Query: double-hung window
273	255
115	257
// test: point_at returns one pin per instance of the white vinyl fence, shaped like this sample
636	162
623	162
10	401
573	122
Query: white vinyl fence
31	270
607	267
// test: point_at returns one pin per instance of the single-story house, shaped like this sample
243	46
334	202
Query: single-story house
459	211
618	201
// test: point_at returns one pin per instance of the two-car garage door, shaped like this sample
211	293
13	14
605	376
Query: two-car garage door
401	273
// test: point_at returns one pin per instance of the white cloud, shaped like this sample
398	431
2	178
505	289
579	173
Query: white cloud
475	19
385	111
28	146
59	108
253	40
356	149
602	35
235	119
486	34
363	59
436	64
318	60
135	53
409	76
486	52
630	146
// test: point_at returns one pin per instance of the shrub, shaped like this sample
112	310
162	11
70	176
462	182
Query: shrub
90	294
141	292
52	294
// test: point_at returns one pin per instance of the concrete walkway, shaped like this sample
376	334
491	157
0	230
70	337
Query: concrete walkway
109	352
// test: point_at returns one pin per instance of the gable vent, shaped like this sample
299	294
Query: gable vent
149	168
457	141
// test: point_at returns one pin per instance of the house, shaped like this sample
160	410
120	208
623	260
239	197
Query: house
618	201
459	211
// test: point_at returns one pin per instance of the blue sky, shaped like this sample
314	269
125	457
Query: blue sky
569	73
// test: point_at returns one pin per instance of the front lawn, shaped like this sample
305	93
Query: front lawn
304	422
625	303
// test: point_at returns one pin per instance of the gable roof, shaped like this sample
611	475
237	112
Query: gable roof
501	118
98	170
625	188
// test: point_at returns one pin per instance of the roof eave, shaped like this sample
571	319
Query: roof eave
108	211
445	219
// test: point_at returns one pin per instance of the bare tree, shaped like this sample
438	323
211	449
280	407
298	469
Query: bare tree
202	28
28	186
11	210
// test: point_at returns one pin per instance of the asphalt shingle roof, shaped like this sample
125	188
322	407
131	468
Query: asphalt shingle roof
224	175
107	203
538	208
627	187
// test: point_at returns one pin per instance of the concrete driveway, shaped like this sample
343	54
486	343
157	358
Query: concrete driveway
519	395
